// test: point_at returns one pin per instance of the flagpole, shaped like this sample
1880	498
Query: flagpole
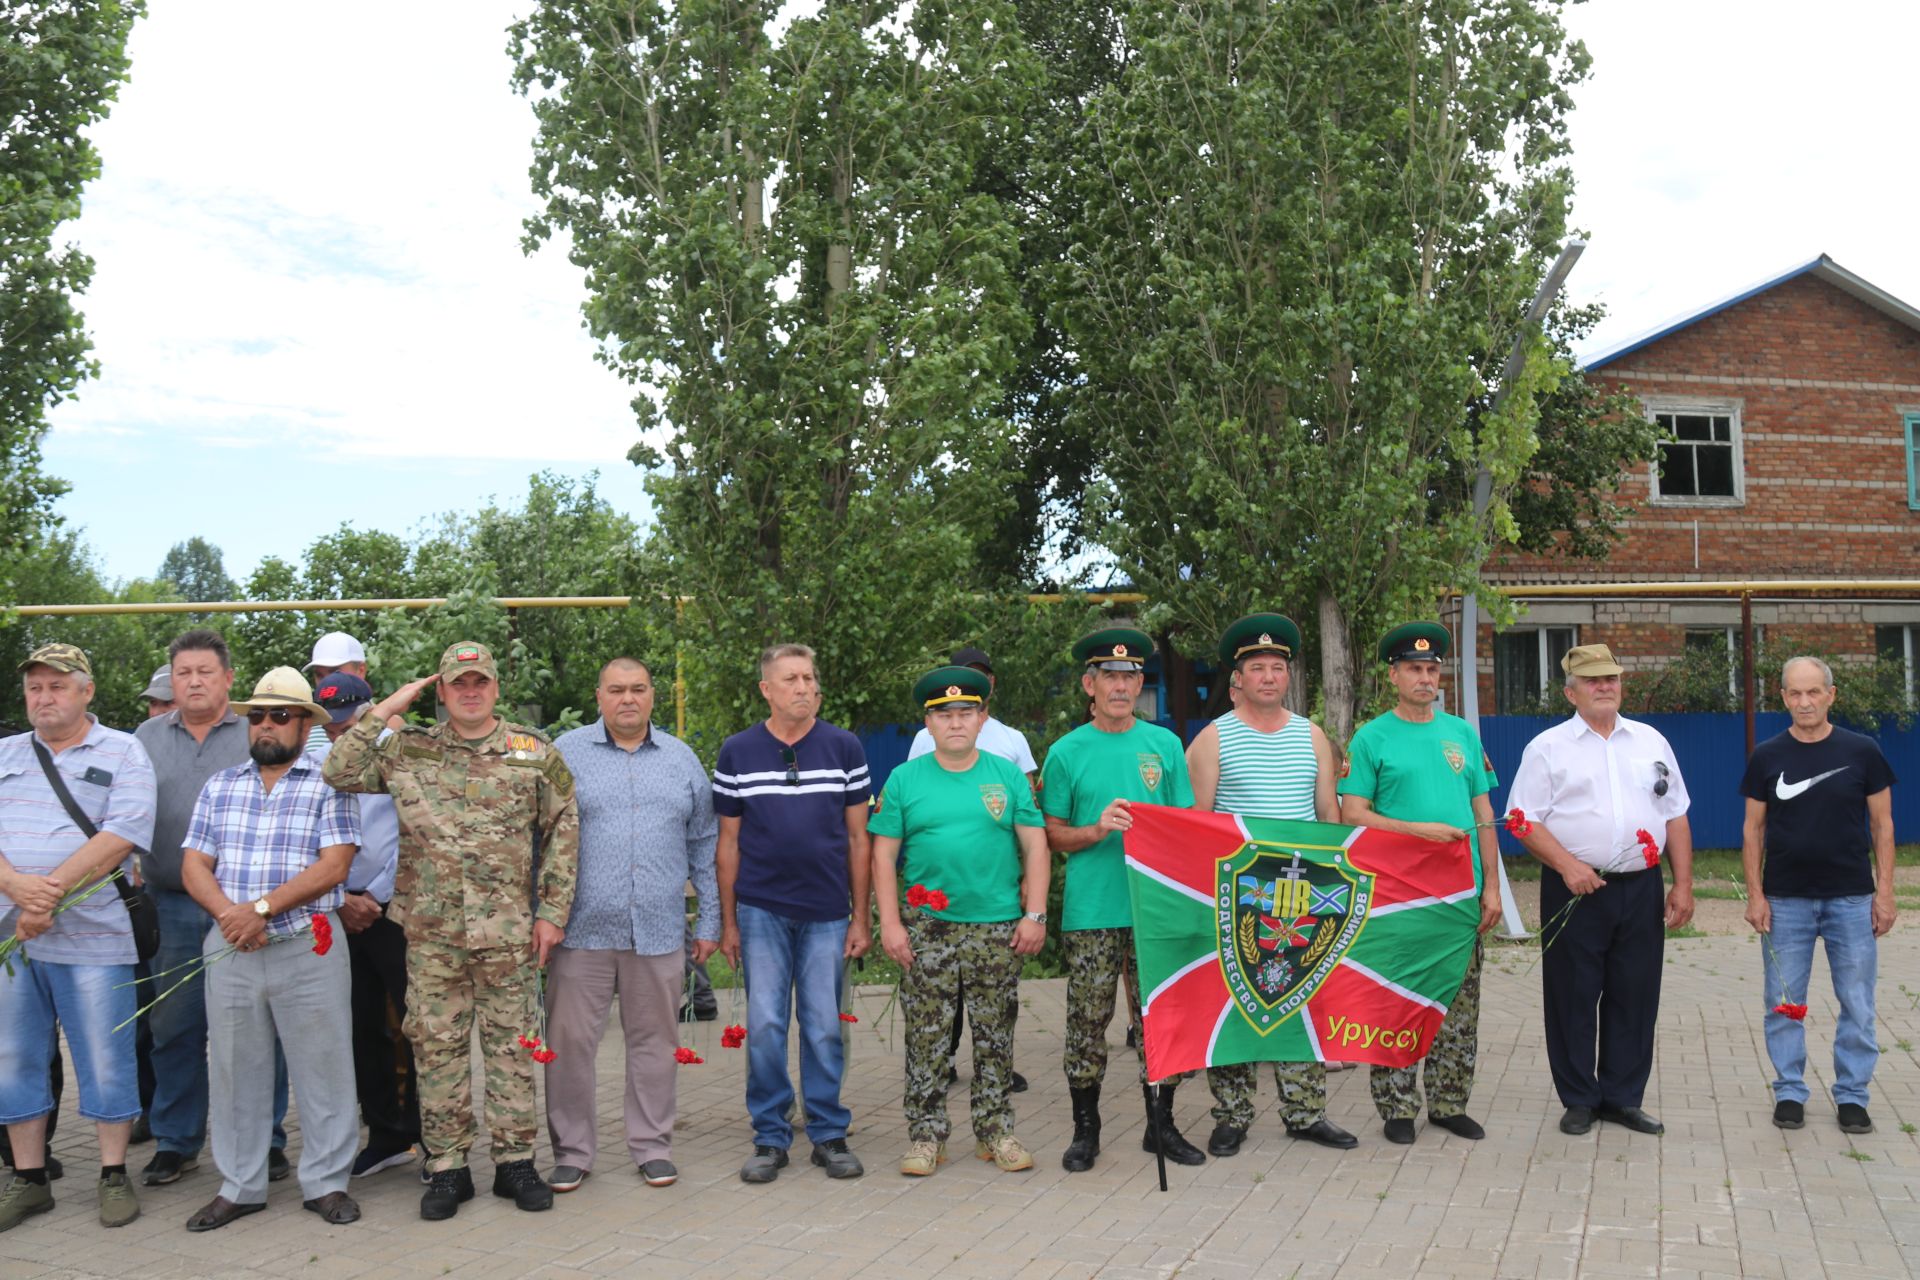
1146	1089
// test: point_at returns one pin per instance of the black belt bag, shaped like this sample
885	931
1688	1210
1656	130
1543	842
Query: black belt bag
140	908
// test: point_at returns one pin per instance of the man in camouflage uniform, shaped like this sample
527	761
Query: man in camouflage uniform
489	851
1420	772
1092	777
965	821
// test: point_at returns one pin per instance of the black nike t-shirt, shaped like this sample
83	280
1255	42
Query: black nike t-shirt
1817	841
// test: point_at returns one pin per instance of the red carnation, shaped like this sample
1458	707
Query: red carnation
544	1056
322	934
936	900
1649	847
847	1017
733	1037
1798	1012
1517	823
684	1054
917	895
529	1042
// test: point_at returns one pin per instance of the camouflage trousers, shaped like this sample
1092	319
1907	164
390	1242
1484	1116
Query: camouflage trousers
949	955
1302	1087
1097	959
1449	1063
449	989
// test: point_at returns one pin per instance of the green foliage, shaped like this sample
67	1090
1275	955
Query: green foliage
1308	234
61	63
196	571
787	236
1706	678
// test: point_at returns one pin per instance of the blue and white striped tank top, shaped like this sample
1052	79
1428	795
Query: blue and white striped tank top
1266	775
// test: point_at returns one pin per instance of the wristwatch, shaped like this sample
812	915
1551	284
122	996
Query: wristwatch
1038	917
261	908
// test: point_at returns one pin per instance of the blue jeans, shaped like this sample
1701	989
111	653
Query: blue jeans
791	963
178	1112
1853	959
89	1000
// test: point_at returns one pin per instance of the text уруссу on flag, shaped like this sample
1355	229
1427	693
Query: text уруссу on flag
1269	941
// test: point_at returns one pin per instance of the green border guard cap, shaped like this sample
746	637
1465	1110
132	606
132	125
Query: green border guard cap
1114	649
944	686
1260	633
1420	641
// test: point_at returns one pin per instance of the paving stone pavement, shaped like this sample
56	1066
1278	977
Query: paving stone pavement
1722	1194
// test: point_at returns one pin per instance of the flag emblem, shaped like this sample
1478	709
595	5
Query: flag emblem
1284	921
1456	758
994	796
1150	771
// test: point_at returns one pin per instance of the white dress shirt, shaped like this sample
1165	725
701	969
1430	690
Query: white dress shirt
1594	793
996	738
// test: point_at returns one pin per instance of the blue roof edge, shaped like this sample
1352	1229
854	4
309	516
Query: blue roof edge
1695	317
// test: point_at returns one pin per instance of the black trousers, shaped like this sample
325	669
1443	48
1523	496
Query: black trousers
1600	976
382	1059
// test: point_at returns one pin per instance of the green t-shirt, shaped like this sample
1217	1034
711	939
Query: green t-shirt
956	832
1427	772
1085	772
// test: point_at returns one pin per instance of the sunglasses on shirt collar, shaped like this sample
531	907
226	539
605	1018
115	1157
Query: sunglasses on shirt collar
1660	783
788	758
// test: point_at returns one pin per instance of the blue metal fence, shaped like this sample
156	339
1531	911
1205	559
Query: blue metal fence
1711	748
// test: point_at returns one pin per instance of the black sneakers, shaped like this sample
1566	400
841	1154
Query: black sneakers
447	1190
518	1181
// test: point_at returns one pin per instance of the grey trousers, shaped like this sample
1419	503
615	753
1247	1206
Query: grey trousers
581	988
307	1000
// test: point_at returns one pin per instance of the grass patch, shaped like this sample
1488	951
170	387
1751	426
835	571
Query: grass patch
1685	931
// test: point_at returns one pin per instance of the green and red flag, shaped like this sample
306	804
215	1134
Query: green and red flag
1268	941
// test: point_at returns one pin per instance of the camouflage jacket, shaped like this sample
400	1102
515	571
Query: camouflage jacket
478	820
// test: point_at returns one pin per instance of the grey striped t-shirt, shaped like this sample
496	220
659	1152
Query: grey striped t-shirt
1266	775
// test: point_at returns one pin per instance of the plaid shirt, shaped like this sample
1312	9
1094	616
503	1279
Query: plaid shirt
261	839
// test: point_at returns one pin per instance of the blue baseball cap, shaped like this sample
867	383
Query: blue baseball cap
341	692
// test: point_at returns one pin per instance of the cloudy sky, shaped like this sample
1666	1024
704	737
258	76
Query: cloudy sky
311	306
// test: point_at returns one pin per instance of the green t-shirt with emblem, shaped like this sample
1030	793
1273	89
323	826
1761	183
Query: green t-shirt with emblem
1426	772
1085	772
956	833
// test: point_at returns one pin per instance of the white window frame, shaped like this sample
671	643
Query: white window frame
1540	630
1720	407
1910	653
1732	637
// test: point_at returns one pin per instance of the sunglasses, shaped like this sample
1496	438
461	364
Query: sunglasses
792	762
1660	784
279	715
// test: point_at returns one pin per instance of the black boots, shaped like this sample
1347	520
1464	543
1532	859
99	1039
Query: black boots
1162	1136
1086	1130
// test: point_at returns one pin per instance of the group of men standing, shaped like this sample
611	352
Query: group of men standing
463	859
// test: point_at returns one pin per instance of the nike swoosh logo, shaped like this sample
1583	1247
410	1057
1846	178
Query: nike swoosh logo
1788	790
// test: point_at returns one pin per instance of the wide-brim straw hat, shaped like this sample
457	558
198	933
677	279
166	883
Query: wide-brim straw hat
284	687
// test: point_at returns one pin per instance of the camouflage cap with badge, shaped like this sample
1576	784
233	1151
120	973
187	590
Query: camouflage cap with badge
1415	641
946	686
61	657
1259	633
1114	649
467	655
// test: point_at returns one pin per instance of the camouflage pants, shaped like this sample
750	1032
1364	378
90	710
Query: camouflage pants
1302	1087
1449	1063
448	989
1096	960
947	955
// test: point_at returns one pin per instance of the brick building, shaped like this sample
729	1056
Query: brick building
1792	411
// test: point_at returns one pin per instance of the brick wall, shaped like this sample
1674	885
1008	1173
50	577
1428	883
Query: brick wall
1821	382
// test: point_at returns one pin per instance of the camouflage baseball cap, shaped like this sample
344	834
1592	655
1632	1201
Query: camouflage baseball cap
467	655
61	657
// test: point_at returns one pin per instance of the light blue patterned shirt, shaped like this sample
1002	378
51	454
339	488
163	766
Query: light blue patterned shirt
260	839
112	781
646	829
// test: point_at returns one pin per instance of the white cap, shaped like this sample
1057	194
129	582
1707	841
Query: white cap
336	649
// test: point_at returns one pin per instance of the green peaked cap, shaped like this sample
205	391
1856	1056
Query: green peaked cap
1260	633
944	686
1425	641
1114	648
